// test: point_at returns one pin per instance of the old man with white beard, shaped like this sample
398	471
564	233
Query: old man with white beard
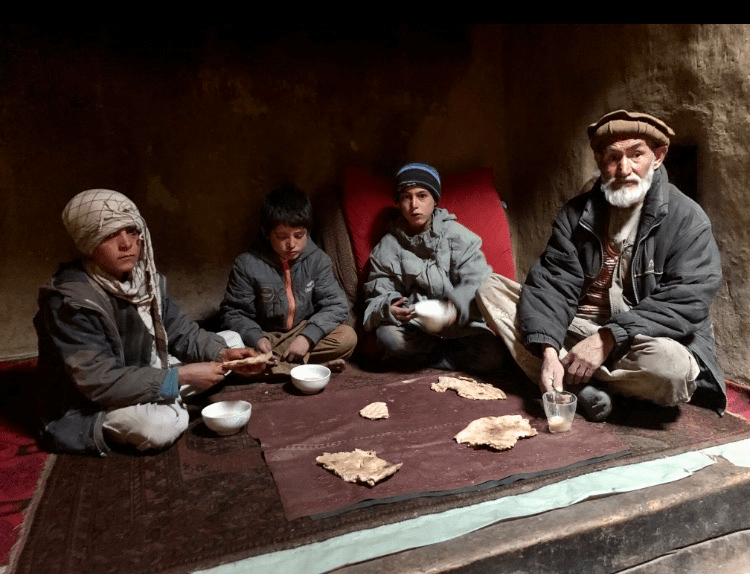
619	301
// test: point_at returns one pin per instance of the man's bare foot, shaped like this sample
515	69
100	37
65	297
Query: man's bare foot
336	366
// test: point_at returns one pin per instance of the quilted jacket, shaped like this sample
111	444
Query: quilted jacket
443	262
255	300
675	272
95	354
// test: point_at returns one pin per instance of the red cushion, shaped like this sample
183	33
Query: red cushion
366	202
471	196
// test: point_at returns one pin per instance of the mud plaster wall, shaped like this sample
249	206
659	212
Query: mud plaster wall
196	124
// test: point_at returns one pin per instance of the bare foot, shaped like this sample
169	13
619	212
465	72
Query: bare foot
336	366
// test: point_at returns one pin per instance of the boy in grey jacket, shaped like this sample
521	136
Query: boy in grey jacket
282	296
106	325
427	254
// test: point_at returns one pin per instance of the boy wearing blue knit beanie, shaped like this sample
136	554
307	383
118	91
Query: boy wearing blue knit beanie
428	256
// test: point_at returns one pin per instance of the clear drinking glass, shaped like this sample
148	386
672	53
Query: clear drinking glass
560	408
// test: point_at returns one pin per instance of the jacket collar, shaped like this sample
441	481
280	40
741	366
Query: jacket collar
440	216
70	279
72	282
261	247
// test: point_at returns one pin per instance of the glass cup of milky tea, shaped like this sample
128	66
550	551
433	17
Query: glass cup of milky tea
560	408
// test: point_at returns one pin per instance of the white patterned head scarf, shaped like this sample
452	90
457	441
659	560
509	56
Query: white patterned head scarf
92	216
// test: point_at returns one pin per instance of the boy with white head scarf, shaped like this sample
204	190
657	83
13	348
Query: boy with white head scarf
106	325
92	216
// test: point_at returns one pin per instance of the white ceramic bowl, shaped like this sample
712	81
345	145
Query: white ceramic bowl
434	315
310	379
226	417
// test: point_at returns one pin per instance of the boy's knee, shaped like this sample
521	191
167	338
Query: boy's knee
391	341
347	339
163	432
146	426
232	339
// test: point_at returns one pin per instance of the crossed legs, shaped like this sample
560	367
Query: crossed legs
479	353
657	369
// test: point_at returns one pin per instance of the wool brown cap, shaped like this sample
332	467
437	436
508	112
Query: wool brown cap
623	122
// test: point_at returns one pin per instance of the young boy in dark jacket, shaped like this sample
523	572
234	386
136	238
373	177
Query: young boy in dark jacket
282	295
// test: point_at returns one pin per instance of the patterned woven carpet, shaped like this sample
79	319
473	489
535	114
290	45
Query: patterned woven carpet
211	500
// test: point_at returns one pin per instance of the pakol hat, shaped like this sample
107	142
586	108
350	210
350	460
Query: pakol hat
419	174
623	122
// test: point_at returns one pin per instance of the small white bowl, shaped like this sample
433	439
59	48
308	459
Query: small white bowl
227	417
310	379
434	315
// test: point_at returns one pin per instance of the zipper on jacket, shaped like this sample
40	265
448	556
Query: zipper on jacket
601	252
289	288
636	253
633	265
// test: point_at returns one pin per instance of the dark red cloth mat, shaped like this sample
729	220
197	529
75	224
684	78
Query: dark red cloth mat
738	399
21	461
419	433
211	500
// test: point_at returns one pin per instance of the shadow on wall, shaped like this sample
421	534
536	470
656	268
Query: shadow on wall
682	166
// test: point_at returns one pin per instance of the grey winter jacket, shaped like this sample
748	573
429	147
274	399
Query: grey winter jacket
255	300
676	272
444	262
95	354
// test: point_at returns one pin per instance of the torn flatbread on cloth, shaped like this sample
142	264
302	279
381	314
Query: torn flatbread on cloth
358	466
468	388
374	411
500	433
257	360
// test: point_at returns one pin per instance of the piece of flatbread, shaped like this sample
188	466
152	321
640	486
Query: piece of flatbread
257	360
375	411
468	388
358	466
500	433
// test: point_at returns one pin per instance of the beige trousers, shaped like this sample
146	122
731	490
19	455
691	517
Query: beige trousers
338	344
658	369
